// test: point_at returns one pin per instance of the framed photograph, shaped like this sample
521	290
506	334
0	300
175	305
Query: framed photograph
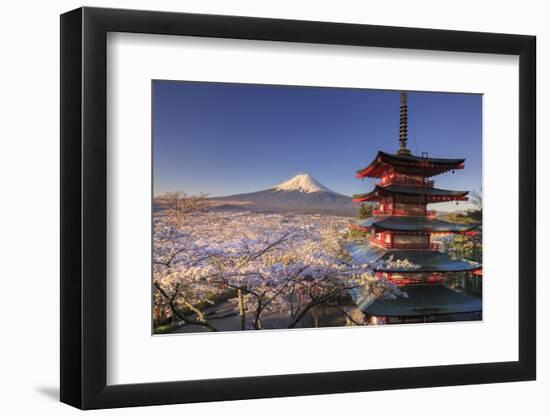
257	208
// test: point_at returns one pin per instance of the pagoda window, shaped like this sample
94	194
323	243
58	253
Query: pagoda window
417	239
408	177
411	242
416	209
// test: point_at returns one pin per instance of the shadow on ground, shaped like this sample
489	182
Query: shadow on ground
50	392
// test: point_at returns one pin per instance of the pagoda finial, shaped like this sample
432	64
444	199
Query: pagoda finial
403	126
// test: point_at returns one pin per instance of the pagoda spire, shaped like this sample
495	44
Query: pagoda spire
403	126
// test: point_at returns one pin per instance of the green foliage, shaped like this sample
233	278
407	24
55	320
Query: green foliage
470	216
365	211
468	247
353	233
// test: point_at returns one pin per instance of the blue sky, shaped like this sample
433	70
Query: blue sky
224	139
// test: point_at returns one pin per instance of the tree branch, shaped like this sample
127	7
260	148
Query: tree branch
203	322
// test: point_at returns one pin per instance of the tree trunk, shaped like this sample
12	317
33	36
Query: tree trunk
242	313
257	318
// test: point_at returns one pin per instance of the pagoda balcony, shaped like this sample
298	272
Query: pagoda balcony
431	214
392	179
394	245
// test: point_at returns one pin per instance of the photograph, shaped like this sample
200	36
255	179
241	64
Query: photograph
278	207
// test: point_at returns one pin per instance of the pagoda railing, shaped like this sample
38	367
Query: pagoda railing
432	279
428	213
427	246
403	245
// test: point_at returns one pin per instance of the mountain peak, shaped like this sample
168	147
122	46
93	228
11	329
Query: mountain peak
304	183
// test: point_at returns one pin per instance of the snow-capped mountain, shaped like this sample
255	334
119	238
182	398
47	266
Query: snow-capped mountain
304	183
301	193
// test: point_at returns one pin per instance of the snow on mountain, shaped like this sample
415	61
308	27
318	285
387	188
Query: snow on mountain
304	183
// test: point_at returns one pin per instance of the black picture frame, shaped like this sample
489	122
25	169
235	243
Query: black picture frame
84	207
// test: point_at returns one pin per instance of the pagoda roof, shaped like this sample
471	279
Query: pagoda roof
417	164
421	300
412	224
425	260
436	194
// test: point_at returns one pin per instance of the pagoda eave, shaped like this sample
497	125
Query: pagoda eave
423	165
364	199
430	195
423	260
421	300
412	224
428	199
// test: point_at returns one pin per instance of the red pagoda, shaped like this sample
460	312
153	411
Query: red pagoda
401	229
